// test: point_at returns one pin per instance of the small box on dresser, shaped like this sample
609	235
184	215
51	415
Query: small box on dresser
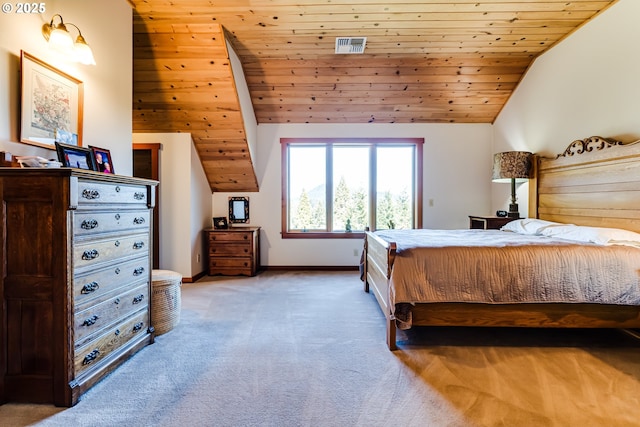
75	279
233	251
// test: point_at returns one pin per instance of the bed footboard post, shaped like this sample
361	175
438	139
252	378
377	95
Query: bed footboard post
391	333
365	263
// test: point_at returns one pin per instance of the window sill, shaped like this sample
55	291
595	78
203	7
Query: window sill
322	235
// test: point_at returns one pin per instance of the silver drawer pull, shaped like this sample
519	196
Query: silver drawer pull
89	358
90	320
117	332
89	224
117	270
90	254
138	299
117	189
90	194
138	245
117	216
138	220
138	271
89	287
138	326
116	301
139	196
117	243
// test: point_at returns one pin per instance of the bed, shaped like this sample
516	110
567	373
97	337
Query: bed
594	186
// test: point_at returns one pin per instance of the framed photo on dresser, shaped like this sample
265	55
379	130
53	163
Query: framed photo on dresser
72	156
102	159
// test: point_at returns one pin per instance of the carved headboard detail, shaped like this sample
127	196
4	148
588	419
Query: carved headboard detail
595	182
586	145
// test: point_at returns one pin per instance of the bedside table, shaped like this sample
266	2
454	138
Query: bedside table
233	251
488	222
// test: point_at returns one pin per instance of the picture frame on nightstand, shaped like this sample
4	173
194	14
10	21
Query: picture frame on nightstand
220	223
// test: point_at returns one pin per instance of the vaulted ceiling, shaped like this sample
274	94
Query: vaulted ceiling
425	61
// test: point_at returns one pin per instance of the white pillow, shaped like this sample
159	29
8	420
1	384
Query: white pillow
598	235
529	226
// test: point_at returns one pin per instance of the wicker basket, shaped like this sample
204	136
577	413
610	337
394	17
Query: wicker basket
165	300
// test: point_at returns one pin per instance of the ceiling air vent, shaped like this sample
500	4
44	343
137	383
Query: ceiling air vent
350	44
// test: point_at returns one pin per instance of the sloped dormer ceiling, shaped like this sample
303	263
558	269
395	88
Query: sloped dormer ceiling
425	61
183	82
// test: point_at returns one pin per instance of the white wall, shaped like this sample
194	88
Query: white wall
201	213
184	203
106	26
457	176
244	99
587	85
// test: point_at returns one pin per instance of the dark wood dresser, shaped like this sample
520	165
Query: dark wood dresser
233	251
75	279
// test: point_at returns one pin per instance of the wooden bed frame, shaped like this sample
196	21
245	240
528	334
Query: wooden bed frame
595	182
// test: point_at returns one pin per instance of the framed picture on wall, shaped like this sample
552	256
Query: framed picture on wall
51	102
75	157
102	159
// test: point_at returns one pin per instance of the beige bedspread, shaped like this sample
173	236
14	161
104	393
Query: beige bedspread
492	266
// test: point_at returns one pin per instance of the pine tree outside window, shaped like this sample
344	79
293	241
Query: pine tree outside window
340	187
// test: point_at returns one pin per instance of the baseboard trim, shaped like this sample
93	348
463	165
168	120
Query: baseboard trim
194	278
310	267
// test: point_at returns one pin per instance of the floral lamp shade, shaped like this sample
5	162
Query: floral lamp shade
512	167
511	164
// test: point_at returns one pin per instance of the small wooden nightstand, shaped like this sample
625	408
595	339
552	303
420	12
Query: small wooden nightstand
233	251
488	222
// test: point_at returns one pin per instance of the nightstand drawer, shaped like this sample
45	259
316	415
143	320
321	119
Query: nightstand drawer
230	237
230	250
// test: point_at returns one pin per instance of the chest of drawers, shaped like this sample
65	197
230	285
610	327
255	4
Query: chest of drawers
233	251
75	280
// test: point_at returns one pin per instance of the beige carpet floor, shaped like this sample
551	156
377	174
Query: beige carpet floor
308	349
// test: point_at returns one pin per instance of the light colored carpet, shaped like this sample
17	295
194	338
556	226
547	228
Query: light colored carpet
307	349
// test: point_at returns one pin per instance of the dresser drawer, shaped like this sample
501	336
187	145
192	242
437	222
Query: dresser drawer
85	222
229	237
91	354
235	263
96	285
231	250
92	252
102	193
99	316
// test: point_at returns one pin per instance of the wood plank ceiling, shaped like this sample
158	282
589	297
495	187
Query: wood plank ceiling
425	61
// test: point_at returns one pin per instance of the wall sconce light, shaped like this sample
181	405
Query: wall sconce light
60	40
512	166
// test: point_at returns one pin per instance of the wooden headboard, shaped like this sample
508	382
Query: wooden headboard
595	182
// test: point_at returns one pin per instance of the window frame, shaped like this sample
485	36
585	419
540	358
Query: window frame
417	183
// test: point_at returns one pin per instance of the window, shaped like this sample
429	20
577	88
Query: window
339	187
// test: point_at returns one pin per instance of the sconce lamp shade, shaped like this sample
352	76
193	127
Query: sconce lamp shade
84	54
512	167
60	40
58	37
